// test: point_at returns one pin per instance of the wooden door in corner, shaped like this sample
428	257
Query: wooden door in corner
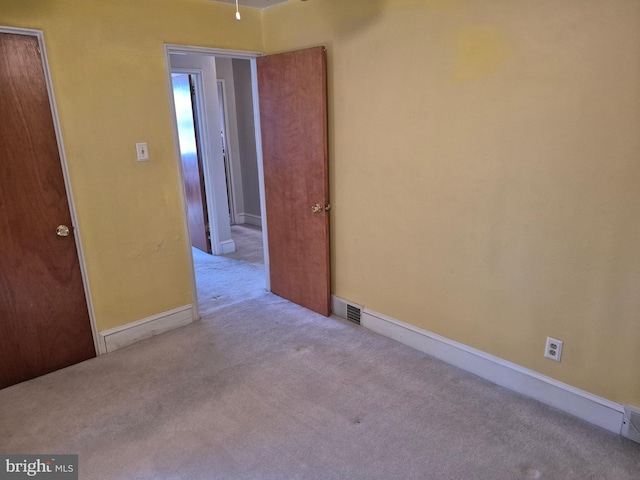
293	115
44	319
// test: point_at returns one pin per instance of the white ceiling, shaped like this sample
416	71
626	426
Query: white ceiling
253	3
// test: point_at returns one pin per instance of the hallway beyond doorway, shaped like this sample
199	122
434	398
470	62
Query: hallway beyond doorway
248	241
224	280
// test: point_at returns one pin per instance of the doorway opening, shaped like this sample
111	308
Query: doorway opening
291	118
216	125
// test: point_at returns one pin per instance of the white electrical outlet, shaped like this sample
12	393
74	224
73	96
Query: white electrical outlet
553	349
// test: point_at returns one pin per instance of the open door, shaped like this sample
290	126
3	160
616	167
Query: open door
192	172
293	114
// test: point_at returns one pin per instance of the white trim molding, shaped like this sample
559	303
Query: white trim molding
119	337
591	408
263	205
228	246
214	52
249	219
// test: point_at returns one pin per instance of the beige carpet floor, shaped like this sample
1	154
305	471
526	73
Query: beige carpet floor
248	240
260	388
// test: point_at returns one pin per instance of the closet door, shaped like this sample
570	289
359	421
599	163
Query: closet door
44	320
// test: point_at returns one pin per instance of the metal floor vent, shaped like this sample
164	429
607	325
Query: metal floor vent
353	314
631	424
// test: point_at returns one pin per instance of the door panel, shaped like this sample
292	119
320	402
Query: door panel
293	113
44	320
192	171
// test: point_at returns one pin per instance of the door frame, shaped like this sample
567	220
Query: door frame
229	169
65	174
217	52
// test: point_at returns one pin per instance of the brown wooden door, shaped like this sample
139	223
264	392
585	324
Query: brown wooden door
293	116
44	321
192	172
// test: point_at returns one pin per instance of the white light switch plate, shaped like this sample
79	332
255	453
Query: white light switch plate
142	151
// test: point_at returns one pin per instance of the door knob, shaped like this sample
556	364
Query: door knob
317	208
62	231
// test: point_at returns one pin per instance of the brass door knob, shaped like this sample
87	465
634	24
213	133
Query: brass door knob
62	231
317	208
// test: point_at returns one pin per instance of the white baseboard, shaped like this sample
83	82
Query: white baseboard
249	218
115	338
228	246
591	408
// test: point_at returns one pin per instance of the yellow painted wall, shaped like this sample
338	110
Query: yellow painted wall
485	172
108	68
